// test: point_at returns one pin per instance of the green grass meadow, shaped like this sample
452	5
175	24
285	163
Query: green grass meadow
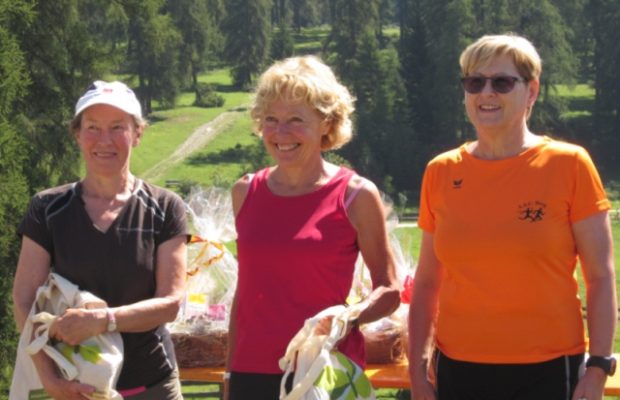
220	163
170	128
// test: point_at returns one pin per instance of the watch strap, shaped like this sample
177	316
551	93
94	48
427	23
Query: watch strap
607	364
111	320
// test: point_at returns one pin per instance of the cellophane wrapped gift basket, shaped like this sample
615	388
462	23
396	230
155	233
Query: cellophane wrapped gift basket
200	331
386	339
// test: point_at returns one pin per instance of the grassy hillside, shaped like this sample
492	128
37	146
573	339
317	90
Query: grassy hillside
221	162
170	128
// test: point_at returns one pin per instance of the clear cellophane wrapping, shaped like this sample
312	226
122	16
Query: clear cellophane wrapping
200	331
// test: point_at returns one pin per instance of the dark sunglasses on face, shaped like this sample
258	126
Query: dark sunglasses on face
500	84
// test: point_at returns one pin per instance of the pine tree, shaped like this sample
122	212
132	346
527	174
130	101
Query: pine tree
541	22
153	52
579	34
247	30
282	43
433	34
64	52
384	138
492	17
13	158
351	19
604	16
305	13
201	38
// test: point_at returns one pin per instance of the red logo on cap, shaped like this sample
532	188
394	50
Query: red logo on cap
107	90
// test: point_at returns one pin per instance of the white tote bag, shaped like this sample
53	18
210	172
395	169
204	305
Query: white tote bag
97	361
320	372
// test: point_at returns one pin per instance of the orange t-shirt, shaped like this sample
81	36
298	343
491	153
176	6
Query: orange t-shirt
502	232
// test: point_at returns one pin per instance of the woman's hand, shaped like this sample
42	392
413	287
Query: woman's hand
54	385
422	389
78	324
62	389
225	390
591	386
324	326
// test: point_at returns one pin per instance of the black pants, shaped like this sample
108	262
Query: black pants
550	380
247	386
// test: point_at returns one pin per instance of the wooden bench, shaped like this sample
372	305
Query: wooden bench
394	376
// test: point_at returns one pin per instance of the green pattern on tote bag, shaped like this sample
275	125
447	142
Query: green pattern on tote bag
38	394
348	383
319	371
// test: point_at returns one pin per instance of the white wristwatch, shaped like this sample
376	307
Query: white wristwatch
111	320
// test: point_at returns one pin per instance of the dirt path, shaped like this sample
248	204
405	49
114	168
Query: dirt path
198	139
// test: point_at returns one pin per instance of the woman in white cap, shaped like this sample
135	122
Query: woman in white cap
115	236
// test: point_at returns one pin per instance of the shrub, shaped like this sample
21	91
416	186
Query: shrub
206	96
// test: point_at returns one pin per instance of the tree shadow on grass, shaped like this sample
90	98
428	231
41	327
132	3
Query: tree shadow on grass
157	118
581	104
226	88
237	154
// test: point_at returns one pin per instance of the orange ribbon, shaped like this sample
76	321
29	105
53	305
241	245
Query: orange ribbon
203	249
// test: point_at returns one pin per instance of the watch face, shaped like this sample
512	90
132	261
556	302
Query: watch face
612	366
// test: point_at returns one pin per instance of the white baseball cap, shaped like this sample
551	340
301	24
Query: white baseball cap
115	94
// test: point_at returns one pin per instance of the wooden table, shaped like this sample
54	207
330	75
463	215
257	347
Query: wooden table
393	376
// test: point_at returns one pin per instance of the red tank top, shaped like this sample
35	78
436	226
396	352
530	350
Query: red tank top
296	257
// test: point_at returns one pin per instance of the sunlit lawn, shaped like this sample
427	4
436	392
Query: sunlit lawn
170	128
195	392
220	162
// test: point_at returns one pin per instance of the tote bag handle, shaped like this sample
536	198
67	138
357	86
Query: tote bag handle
40	342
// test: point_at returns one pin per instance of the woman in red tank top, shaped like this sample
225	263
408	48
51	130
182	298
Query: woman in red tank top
301	225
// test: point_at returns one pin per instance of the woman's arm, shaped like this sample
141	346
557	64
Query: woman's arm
170	279
595	249
239	193
232	332
422	312
78	324
33	268
367	216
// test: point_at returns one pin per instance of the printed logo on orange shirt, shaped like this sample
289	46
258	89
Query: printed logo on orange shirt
532	211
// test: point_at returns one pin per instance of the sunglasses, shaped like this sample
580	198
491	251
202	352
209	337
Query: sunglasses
500	84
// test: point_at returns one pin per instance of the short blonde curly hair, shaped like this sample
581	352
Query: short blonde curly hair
306	79
484	50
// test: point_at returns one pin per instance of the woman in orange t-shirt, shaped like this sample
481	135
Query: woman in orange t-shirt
504	220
